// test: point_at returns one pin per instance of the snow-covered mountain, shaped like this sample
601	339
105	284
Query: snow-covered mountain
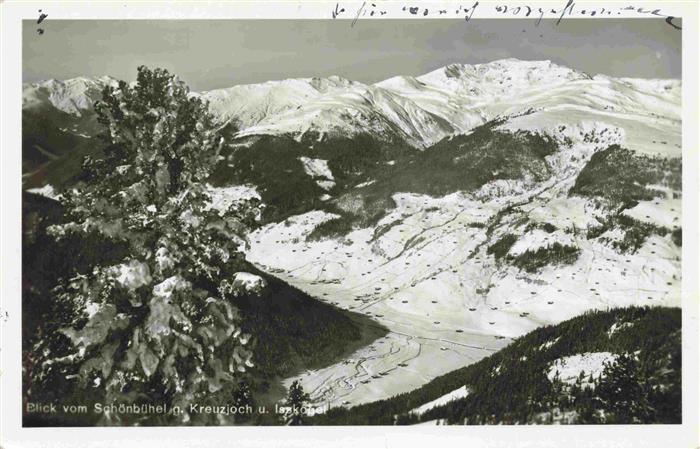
452	99
331	105
460	209
422	110
74	96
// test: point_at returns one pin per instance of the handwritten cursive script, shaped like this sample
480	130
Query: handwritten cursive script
569	9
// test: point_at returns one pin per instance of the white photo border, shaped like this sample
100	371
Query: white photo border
13	435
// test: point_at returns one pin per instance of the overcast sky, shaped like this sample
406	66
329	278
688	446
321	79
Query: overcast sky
221	53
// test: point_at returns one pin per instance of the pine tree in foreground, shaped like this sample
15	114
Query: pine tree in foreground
157	326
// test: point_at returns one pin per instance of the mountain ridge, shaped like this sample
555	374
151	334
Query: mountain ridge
415	111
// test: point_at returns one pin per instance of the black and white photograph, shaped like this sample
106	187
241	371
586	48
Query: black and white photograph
426	219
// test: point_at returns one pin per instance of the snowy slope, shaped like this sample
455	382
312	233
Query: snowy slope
568	369
459	393
464	95
331	105
250	104
648	110
73	96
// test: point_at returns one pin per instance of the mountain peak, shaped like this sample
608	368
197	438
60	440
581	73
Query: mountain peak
86	81
509	74
334	81
500	64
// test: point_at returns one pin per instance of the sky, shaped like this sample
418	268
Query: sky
210	54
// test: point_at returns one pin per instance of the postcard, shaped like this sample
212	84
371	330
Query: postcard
349	223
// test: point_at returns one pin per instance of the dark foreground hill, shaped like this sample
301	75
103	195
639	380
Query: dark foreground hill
536	379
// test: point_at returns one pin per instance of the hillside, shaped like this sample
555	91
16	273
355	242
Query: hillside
617	366
478	240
